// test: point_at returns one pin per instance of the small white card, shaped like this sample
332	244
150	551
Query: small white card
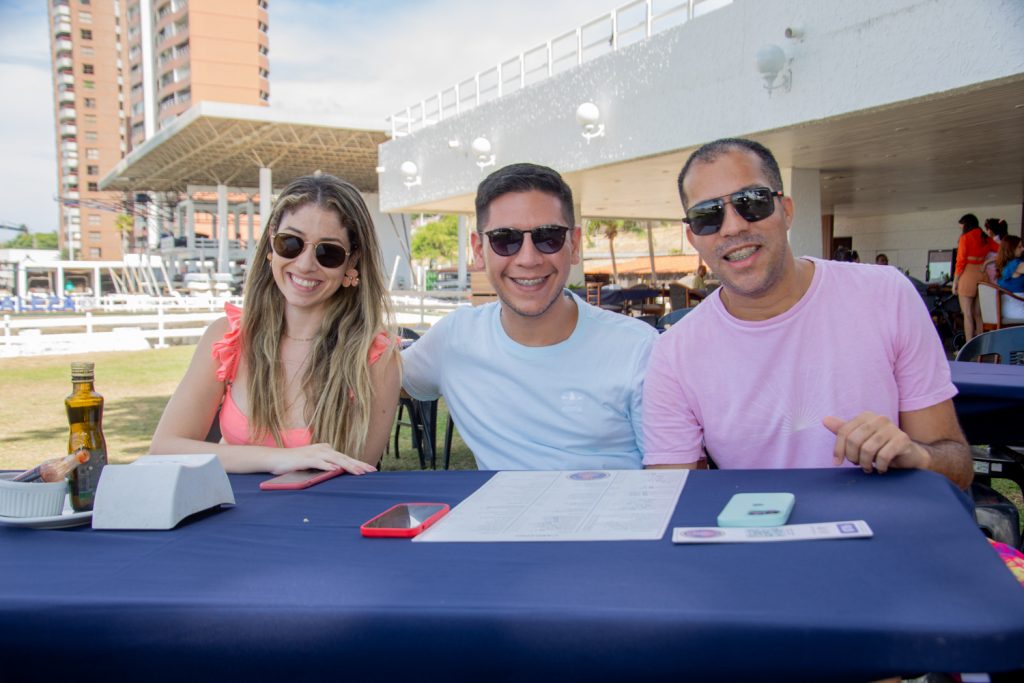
787	532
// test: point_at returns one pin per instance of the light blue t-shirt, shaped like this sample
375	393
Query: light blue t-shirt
572	405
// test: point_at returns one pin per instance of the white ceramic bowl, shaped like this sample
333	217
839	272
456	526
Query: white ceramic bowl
31	499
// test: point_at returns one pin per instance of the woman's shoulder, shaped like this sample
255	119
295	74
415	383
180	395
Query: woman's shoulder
381	344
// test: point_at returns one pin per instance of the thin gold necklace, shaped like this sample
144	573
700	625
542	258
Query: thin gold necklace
299	339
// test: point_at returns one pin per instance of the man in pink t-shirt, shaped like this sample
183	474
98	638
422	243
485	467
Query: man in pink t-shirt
793	362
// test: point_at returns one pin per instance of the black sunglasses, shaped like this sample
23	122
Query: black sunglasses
328	254
548	239
752	204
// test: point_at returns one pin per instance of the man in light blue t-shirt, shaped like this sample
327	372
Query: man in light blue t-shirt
540	380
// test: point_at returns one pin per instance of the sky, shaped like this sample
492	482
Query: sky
359	60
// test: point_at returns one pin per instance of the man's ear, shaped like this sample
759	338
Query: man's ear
788	210
575	235
477	242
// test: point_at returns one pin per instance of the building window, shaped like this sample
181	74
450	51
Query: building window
86	34
93	187
92	154
86	52
85	17
90	119
92	170
90	136
95	252
90	102
89	85
95	235
84	2
88	69
94	219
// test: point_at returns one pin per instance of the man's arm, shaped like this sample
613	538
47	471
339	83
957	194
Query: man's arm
929	438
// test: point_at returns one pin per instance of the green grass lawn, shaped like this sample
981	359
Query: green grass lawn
136	386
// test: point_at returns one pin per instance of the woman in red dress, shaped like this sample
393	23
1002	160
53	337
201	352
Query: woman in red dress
971	252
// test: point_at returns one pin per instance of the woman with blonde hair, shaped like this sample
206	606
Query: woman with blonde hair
306	374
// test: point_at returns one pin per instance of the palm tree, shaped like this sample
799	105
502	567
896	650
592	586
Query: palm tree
610	228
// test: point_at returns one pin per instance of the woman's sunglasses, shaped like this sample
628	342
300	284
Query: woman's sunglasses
547	239
753	204
328	254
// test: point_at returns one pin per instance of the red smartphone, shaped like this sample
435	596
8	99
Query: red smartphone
405	520
299	479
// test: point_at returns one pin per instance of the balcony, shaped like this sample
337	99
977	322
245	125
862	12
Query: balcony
64	45
62	11
67	114
69	146
62	28
70	180
68	130
69	164
65	78
65	64
71	194
66	97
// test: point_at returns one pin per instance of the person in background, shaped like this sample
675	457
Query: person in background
695	280
882	260
971	252
306	375
854	257
996	230
1011	268
792	362
538	380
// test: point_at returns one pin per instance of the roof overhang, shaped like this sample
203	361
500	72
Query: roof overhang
227	144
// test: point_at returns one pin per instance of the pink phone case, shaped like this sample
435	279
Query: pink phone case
299	479
370	531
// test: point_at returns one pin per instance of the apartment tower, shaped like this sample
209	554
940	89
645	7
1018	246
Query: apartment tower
122	71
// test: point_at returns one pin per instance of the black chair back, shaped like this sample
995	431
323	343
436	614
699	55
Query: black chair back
1004	346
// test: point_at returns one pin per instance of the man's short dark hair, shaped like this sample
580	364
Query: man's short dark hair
523	178
712	150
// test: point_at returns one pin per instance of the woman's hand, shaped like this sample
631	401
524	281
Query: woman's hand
318	456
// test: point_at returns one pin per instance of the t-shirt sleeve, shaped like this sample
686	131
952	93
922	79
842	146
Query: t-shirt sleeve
380	344
672	434
423	361
921	368
636	394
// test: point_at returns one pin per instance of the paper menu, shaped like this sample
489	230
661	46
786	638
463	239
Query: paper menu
586	505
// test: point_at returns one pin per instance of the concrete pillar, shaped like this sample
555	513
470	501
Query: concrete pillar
190	223
59	288
222	229
250	242
463	246
803	185
153	222
96	281
22	281
266	189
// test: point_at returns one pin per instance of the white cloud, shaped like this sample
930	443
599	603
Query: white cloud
360	61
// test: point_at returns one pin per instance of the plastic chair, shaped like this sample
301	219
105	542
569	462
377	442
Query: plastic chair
672	318
991	300
995	514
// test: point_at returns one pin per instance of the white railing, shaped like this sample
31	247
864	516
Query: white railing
626	25
136	321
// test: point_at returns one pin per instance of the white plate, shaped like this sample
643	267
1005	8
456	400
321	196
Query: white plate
67	519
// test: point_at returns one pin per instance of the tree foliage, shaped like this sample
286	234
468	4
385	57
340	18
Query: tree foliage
437	242
34	240
609	228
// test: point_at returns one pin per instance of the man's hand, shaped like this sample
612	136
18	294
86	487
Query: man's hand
873	441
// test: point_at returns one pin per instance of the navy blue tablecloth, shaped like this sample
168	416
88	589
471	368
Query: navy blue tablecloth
613	296
990	402
283	587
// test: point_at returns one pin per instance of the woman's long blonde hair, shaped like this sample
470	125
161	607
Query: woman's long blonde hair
336	382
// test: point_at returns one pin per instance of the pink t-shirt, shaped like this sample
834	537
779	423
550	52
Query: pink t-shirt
755	392
234	424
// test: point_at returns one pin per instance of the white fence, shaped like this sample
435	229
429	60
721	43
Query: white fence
124	323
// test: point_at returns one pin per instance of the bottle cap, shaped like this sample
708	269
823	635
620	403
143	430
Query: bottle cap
82	371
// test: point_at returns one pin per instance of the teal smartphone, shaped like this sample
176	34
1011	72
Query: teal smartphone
757	509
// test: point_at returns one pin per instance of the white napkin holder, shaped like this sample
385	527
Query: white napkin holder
158	491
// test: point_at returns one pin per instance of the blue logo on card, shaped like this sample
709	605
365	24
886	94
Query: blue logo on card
588	476
703	533
847	528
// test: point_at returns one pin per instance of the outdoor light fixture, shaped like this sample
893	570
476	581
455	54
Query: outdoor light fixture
380	169
411	174
454	143
482	151
589	118
773	65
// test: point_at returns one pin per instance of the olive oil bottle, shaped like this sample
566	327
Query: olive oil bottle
85	416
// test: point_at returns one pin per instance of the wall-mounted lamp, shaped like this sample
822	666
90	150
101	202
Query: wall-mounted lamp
454	143
589	118
380	169
774	67
411	174
482	151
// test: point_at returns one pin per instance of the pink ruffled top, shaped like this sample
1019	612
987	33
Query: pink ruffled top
234	424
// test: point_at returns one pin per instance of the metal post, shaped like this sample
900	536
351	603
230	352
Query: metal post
649	9
222	228
615	30
579	45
